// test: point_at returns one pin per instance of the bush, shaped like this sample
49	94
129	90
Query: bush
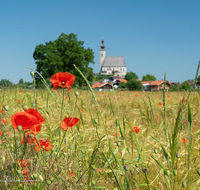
134	85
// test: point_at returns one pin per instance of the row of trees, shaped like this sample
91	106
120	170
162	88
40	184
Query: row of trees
21	84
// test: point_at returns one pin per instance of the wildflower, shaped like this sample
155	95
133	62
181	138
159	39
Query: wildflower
167	100
2	111
183	140
30	120
23	163
4	92
169	96
82	110
116	135
71	174
1	133
19	101
160	104
4	121
127	100
99	170
20	91
136	95
16	89
177	94
43	144
184	100
186	121
63	80
26	173
28	138
7	133
68	123
139	105
135	129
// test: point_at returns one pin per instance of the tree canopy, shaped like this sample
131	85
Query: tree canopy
60	55
148	77
185	85
130	76
134	85
5	83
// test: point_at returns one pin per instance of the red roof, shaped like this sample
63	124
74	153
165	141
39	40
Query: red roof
100	84
156	83
122	80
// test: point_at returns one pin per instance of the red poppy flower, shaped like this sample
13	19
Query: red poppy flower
29	138
2	106
127	100
116	135
136	95
186	121
135	129
4	121
183	140
167	100
43	143
63	80
177	94
23	163
20	91
82	110
160	104
26	173
139	105
184	100
1	133
19	101
4	92
68	123
7	133
30	119
99	170
168	96
2	111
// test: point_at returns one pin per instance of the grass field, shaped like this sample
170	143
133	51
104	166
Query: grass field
123	140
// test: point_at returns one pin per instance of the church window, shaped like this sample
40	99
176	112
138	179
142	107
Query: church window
102	54
120	69
123	69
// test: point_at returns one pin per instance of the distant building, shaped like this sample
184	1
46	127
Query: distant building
110	65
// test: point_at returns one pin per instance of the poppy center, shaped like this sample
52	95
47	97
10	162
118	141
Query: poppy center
63	83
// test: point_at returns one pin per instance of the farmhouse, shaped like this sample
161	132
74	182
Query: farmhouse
155	85
110	65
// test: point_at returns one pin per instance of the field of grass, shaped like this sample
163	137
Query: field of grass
124	140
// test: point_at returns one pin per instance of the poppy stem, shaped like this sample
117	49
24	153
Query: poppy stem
59	129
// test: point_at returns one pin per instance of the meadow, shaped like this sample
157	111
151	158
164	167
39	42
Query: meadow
122	140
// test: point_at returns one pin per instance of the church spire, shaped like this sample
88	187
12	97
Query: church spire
102	45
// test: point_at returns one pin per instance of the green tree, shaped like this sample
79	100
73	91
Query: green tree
122	85
60	55
185	85
90	75
198	78
130	76
134	85
21	81
5	83
148	77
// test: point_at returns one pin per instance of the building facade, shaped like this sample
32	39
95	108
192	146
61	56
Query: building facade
111	65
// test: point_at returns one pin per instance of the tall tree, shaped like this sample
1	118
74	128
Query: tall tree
134	85
5	83
60	55
130	76
21	81
148	77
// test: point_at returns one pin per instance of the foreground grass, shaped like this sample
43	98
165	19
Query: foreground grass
103	151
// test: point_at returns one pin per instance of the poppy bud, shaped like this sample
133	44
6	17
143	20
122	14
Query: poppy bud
18	164
155	151
167	172
95	121
51	178
32	73
9	167
198	171
183	183
35	176
19	172
177	155
11	145
41	178
93	182
43	147
48	182
20	186
33	104
24	107
175	172
32	177
2	172
144	170
6	107
93	167
19	127
76	94
3	158
14	165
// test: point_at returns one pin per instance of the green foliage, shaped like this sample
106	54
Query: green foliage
101	77
148	77
130	76
198	78
60	55
5	83
174	88
90	75
21	81
122	85
134	85
185	85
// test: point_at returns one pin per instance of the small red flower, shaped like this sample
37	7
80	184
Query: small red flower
136	95
4	92
68	123
7	133
160	104
99	170
169	96
19	101
20	91
139	105
23	163
1	133
4	121
184	100
30	120
167	100
82	110
177	94
127	100
116	135
43	143
26	173
186	121
135	129
183	140
63	80
29	138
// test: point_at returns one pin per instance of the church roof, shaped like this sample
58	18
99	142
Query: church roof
114	62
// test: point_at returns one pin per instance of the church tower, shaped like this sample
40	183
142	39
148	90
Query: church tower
102	54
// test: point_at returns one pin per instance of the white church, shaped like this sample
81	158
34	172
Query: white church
110	65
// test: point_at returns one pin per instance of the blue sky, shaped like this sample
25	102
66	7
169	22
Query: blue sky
153	36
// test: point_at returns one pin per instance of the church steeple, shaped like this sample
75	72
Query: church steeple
102	45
